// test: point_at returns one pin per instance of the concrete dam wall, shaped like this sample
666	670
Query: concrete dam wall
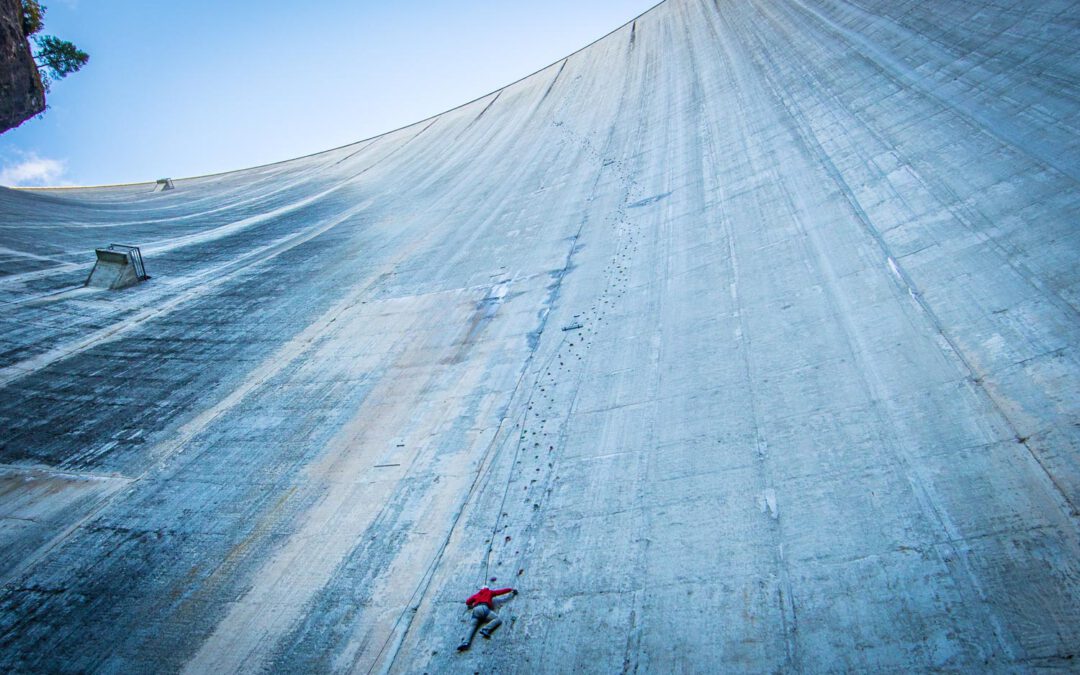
743	339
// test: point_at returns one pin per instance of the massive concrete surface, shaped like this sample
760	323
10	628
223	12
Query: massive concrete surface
745	338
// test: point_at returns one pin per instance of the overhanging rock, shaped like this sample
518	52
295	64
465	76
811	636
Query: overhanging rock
21	93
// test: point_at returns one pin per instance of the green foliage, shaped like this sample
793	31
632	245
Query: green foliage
55	58
58	58
33	17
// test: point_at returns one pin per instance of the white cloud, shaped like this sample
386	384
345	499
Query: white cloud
32	170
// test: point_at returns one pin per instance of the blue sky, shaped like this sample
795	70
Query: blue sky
189	87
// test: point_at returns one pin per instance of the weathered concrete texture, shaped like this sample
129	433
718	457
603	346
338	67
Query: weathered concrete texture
21	93
113	270
743	339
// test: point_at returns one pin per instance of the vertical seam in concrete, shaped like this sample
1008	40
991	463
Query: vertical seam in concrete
887	65
956	206
785	599
813	148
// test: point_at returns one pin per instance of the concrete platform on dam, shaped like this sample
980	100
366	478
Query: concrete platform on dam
815	407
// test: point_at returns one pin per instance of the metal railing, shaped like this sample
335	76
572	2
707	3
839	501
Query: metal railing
135	255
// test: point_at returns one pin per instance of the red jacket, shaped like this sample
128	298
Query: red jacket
484	597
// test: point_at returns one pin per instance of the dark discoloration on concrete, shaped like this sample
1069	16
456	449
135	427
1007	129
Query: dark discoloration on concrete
748	343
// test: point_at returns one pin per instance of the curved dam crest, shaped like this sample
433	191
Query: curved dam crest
743	339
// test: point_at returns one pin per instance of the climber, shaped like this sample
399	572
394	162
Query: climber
482	605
